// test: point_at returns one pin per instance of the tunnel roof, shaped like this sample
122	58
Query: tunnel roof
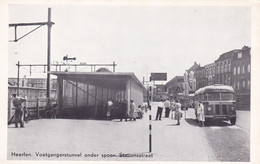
100	78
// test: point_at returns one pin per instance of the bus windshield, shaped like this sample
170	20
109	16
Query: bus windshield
227	96
213	96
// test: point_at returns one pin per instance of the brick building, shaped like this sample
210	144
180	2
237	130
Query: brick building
223	68
210	73
175	86
241	69
189	76
200	76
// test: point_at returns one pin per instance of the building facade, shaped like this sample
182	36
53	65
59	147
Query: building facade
223	68
189	77
241	77
200	76
175	86
33	82
210	73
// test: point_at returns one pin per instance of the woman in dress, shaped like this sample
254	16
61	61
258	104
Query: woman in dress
200	113
131	111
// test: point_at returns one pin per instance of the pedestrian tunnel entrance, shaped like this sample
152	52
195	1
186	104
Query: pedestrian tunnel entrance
84	95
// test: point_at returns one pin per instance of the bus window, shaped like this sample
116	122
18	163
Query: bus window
213	97
206	97
201	97
227	96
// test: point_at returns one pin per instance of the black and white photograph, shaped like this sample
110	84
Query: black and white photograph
154	82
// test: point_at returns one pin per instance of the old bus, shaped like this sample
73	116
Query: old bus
218	101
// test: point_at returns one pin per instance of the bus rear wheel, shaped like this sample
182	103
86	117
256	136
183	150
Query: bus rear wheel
233	121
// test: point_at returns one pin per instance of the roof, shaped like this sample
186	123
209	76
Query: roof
101	78
227	55
215	88
194	67
175	79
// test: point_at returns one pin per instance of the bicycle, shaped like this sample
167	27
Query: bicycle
50	111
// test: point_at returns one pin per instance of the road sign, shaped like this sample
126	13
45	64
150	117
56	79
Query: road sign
158	77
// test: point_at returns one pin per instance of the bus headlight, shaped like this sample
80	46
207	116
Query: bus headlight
209	108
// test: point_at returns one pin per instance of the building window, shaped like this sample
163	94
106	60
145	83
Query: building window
248	68
248	84
244	84
243	69
235	70
239	55
225	67
234	85
238	70
238	85
221	68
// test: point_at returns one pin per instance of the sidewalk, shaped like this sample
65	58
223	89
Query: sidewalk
170	142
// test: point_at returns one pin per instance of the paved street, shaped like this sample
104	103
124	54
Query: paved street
105	140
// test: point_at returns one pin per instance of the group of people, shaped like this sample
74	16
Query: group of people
120	109
173	106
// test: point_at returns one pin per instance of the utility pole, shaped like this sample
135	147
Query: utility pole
39	24
114	66
18	77
49	24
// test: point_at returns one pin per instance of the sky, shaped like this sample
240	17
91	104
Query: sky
140	39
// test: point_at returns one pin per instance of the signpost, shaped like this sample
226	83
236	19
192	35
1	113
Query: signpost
149	95
154	77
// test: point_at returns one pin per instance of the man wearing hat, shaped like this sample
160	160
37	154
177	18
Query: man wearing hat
18	115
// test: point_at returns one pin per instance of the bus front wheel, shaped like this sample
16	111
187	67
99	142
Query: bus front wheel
233	121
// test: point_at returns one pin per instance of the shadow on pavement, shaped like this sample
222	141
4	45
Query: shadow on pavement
220	123
172	125
194	122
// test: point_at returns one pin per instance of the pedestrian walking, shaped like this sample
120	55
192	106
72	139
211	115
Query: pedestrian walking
123	110
167	107
200	113
18	115
131	111
159	110
178	113
172	108
109	108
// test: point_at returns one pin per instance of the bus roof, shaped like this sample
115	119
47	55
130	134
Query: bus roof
215	88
